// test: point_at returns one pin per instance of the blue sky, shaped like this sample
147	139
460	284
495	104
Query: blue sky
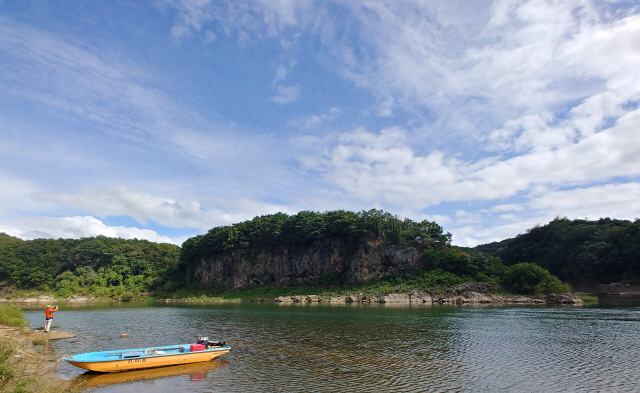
163	119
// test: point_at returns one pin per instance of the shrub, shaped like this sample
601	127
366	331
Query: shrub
101	292
127	296
526	277
11	315
552	284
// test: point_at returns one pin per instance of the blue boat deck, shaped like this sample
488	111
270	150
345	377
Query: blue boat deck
137	353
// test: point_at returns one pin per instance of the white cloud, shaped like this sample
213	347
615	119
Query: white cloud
15	195
255	18
506	208
467	217
192	14
382	167
316	120
77	227
281	74
286	94
616	200
120	201
610	200
209	37
473	235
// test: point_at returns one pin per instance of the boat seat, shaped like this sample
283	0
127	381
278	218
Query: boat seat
150	352
136	354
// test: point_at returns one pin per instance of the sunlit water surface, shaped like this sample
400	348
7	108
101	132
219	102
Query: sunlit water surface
329	348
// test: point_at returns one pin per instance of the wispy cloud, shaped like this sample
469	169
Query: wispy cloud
314	121
286	94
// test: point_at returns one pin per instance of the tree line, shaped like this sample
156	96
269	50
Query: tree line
97	266
579	252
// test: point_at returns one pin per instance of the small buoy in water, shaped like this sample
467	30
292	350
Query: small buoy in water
124	335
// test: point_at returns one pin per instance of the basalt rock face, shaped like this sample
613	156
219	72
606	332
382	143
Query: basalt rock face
325	259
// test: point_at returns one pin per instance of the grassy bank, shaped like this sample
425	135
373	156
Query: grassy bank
23	370
434	281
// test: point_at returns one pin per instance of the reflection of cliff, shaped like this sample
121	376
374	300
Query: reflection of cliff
323	261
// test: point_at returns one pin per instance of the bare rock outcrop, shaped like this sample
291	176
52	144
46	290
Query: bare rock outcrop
469	294
618	289
240	269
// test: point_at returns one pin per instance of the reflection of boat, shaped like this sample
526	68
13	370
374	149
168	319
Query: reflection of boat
140	358
197	371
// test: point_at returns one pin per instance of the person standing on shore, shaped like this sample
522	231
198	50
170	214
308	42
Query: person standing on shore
48	313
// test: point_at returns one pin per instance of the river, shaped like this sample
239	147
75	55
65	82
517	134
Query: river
363	348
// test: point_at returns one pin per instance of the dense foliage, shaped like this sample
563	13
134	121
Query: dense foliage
581	252
100	266
283	230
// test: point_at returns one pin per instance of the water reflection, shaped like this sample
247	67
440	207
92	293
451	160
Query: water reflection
619	300
196	371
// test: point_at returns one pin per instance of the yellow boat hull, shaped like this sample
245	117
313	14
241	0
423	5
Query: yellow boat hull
147	362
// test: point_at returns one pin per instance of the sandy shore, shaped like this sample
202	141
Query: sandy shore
37	358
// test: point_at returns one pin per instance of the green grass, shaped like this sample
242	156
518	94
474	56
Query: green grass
588	299
11	315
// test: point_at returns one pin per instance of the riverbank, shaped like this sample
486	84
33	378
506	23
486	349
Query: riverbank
48	299
29	361
473	293
469	293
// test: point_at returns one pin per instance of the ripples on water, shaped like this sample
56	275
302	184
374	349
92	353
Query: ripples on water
328	348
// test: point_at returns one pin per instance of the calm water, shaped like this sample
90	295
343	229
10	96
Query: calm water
329	348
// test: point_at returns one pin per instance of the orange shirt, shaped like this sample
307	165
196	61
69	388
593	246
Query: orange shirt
48	312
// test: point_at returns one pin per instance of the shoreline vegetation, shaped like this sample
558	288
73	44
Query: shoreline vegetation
27	358
463	294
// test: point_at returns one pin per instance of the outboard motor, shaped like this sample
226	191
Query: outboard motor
210	344
216	344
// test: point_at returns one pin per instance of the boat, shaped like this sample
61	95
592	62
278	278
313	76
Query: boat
141	358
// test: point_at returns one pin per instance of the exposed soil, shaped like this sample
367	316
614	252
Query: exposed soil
35	355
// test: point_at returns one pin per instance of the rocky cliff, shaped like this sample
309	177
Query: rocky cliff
243	268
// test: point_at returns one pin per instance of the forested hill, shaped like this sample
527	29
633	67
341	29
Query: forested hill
97	266
581	252
330	248
342	247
